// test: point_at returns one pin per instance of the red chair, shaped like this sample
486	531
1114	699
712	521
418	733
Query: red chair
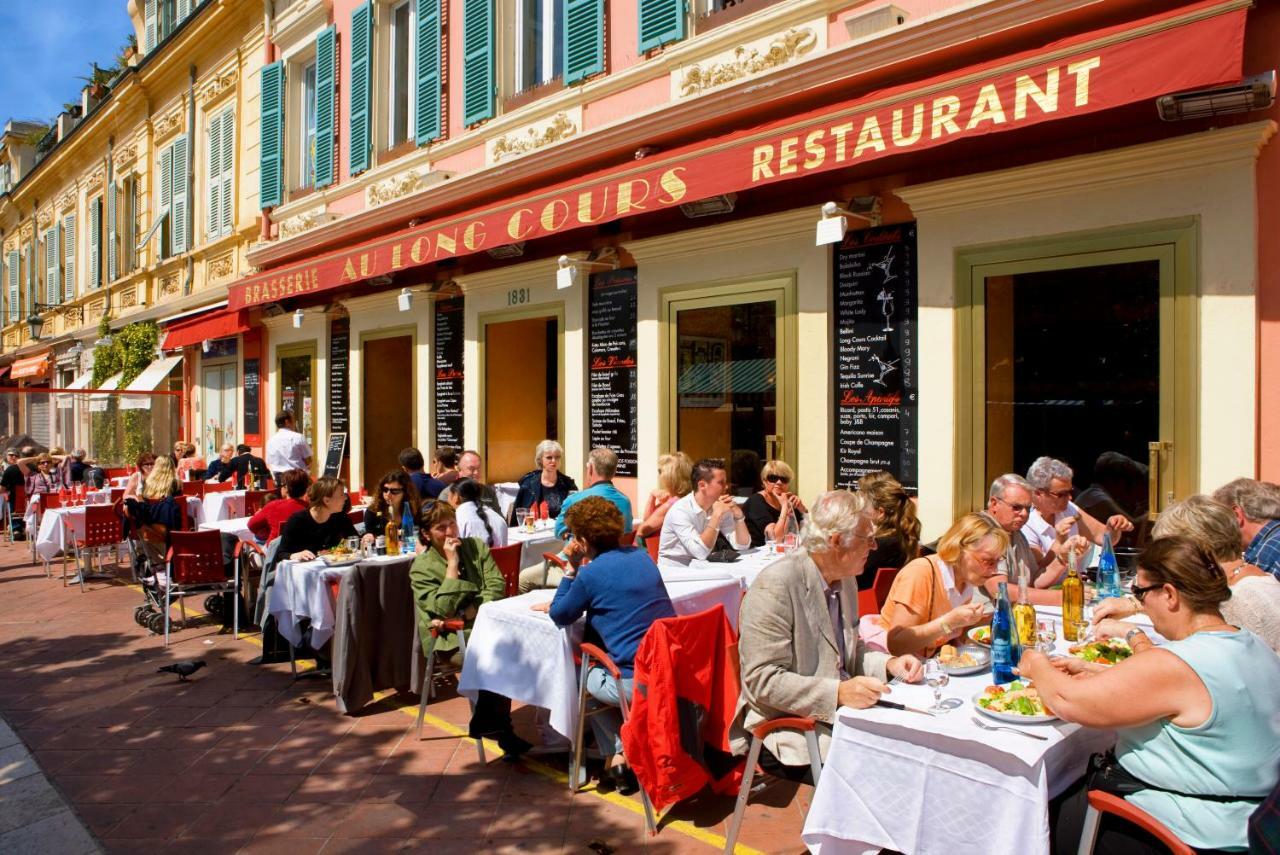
1102	802
758	733
356	517
117	495
867	602
508	560
882	584
549	558
214	486
253	501
193	488
651	544
430	673
628	538
101	530
194	563
184	509
43	502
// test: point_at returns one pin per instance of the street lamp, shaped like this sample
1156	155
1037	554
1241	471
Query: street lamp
35	323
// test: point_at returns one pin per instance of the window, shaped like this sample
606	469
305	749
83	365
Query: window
69	257
220	172
93	235
162	17
5	178
131	199
14	282
403	70
539	52
173	198
307	158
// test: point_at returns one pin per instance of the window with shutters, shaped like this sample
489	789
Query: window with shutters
52	267
162	17
307	142
360	119
220	173
130	223
660	22
402	74
271	175
69	280
14	282
93	244
173	200
539	51
478	81
29	265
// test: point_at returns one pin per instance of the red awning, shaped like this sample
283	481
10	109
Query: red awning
30	367
1193	46
216	325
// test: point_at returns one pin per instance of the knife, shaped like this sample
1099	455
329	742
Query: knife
897	706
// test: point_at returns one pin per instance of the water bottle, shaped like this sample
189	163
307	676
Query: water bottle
1005	651
407	533
1108	570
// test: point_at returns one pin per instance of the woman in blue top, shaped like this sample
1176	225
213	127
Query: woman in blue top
622	594
1193	717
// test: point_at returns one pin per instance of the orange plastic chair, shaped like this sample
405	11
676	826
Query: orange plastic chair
1102	802
452	626
195	566
549	558
758	733
867	602
628	538
214	486
881	586
651	544
508	560
253	501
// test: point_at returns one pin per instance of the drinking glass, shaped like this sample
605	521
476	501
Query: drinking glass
936	677
1046	635
521	515
790	542
1083	629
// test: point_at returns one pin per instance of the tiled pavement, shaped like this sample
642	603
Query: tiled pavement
243	759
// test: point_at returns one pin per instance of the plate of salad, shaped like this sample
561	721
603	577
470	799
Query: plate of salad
1017	702
1107	652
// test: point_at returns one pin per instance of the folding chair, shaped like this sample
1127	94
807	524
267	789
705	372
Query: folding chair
758	733
508	560
429	674
101	530
215	486
195	566
590	652
1102	802
193	488
882	584
253	501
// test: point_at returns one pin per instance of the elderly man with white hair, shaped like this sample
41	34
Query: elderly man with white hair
1256	506
1055	519
798	636
1009	504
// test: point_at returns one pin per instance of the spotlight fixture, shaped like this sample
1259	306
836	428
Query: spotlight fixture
1253	93
567	272
710	207
405	300
297	319
832	226
206	346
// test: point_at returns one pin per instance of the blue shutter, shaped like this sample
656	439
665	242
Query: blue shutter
14	286
52	287
213	177
228	163
95	243
149	38
31	276
477	61
183	11
113	207
428	120
583	39
271	148
326	85
361	88
69	257
179	213
661	21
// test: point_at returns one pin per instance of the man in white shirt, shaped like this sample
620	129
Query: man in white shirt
1056	520
287	449
694	522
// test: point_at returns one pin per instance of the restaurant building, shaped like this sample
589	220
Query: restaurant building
1057	216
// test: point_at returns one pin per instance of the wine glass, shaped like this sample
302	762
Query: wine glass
521	515
936	677
1046	635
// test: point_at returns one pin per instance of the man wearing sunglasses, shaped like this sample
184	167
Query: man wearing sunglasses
9	482
1009	504
1055	519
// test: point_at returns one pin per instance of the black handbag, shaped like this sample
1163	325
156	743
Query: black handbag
723	551
1105	773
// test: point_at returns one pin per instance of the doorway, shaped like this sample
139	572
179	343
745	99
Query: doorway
521	392
388	404
220	393
296	366
727	379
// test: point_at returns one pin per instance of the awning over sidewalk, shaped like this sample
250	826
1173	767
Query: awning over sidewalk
98	403
81	382
150	378
1194	46
214	325
30	367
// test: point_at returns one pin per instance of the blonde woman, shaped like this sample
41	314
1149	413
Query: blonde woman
156	512
675	480
774	510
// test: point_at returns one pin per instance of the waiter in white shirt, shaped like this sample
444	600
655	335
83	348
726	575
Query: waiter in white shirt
695	522
287	449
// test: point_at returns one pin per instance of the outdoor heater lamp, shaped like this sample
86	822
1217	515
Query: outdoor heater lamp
567	269
1252	93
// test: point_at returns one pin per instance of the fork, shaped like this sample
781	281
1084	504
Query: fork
982	724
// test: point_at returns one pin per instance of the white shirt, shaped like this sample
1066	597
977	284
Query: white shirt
287	450
470	524
681	539
949	585
1040	533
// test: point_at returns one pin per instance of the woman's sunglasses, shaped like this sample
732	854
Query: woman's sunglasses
395	491
777	479
1140	591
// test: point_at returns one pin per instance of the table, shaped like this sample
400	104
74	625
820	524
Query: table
221	505
745	569
522	655
912	783
301	592
239	526
94	497
52	537
534	543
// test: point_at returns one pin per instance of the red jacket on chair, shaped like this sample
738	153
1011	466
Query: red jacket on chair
676	738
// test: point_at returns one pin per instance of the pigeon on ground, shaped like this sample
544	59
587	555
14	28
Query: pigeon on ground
182	669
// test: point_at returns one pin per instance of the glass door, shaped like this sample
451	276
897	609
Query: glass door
727	380
297	389
220	393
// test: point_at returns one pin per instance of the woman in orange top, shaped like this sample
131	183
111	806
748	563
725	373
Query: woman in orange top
931	601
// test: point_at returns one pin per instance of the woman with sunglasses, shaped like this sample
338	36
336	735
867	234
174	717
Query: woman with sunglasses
133	487
45	473
394	495
774	510
1194	717
1055	519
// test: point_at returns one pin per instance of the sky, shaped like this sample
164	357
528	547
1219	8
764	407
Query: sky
45	51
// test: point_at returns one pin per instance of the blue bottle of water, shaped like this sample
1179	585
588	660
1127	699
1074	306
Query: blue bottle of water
407	534
1108	570
1005	649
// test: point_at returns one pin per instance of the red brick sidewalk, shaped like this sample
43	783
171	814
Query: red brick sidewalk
243	759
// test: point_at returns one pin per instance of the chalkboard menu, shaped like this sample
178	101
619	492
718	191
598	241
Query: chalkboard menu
333	454
611	343
252	396
340	375
875	355
448	344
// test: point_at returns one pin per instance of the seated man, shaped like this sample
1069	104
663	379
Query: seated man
798	637
469	466
705	520
1055	519
1009	504
1256	505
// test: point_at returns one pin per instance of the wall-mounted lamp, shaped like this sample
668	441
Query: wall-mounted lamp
297	319
567	272
1253	93
832	226
35	323
405	299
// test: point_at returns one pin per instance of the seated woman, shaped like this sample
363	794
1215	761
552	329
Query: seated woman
444	465
474	518
189	465
323	525
675	481
44	473
222	468
1193	717
774	511
622	594
133	487
897	529
155	512
1255	593
266	523
932	598
395	498
451	579
546	483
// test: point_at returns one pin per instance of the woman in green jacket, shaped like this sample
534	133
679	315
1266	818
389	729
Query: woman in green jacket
451	579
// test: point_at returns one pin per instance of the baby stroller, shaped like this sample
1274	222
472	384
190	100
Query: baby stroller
149	562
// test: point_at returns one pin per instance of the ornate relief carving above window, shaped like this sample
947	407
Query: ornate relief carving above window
96	309
220	84
12	339
221	268
402	184
44	219
300	223
67	200
27	231
562	126
748	60
169	285
95	179
129	297
124	155
168	123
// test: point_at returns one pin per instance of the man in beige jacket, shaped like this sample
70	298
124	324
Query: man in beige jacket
798	636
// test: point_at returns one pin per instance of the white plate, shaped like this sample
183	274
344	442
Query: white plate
345	562
1011	718
970	635
981	654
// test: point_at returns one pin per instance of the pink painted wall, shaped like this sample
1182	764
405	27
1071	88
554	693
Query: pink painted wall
342	10
625	104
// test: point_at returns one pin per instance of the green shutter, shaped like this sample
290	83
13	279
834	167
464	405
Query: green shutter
183	10
14	286
31	276
661	21
361	88
583	39
478	87
149	35
52	288
166	202
69	256
228	163
179	213
113	209
428	120
95	243
326	85
213	176
271	150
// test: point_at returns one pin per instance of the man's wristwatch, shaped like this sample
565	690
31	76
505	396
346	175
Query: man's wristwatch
1128	636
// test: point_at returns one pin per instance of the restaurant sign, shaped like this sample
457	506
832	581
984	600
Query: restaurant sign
1191	47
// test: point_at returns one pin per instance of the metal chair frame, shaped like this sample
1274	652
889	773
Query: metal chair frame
808	727
208	562
458	627
102	530
1102	802
549	558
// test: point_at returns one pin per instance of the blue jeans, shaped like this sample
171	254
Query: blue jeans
607	724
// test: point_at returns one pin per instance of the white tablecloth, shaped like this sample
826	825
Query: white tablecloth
223	505
912	783
522	655
745	569
239	526
94	497
506	493
534	543
52	537
300	591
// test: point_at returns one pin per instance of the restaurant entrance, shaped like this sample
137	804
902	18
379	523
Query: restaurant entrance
728	386
388	403
297	387
221	391
1084	357
522	388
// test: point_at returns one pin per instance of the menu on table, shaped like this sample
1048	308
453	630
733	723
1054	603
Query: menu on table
339	375
875	355
448	345
611	353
